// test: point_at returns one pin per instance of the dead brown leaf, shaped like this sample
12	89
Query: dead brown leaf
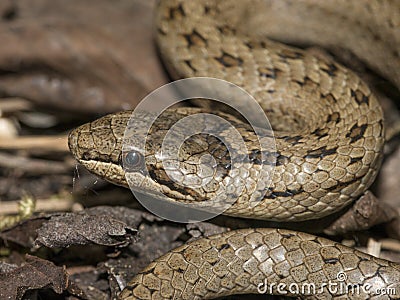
36	273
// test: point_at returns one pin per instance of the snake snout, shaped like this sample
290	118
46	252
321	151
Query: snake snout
79	140
73	142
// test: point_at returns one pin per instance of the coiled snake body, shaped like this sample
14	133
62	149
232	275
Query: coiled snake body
329	139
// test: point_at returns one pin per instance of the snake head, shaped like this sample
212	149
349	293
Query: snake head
186	163
120	145
97	146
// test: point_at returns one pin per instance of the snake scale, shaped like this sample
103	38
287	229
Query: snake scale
329	137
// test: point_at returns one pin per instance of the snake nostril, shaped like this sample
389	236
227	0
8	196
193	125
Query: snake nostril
86	156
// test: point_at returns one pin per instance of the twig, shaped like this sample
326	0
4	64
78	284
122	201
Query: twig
42	205
32	166
390	244
373	247
13	104
50	143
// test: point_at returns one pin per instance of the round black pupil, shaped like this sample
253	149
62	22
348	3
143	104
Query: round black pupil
132	159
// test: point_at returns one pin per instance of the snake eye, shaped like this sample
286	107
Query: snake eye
132	160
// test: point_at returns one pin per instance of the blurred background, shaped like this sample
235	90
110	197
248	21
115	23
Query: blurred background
63	63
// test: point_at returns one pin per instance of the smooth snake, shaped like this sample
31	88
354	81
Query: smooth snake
328	130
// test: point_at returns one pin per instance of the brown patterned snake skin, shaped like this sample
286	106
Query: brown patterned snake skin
329	138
